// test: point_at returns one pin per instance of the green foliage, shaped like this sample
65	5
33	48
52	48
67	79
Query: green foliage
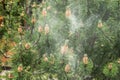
111	73
86	68
92	28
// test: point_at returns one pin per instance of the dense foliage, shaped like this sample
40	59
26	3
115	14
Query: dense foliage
60	39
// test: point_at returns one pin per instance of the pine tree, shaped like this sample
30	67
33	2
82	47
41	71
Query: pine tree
59	39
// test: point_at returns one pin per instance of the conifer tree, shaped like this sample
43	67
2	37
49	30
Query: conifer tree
59	40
